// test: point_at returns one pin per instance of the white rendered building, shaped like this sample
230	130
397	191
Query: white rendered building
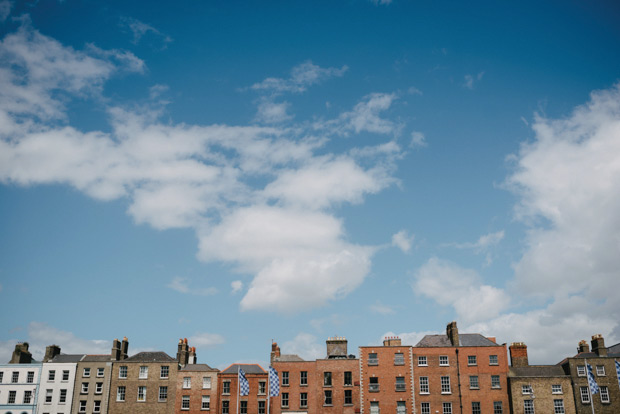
57	383
19	383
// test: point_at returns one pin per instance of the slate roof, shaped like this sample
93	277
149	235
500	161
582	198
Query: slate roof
247	368
614	350
537	371
464	340
97	358
289	358
150	357
198	367
66	358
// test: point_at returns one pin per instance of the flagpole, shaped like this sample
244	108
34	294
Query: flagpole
238	368
268	388
589	387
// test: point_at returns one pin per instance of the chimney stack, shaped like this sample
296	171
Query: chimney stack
124	348
21	355
275	351
392	341
598	345
583	347
453	333
50	352
116	350
183	352
518	354
336	347
192	355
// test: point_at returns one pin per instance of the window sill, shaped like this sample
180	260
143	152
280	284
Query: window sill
446	393
425	393
303	385
474	388
328	405
423	365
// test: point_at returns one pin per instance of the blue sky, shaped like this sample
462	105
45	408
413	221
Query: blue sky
290	171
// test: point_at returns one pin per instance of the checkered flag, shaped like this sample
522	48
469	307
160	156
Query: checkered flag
591	382
244	385
618	371
274	382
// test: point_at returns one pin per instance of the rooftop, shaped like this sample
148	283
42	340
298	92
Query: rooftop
157	356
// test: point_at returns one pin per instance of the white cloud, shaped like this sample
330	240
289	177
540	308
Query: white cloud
302	76
206	340
417	140
483	243
365	117
5	9
407	338
470	80
306	346
414	91
270	112
184	285
451	285
236	286
40	335
402	240
381	309
381	2
140	29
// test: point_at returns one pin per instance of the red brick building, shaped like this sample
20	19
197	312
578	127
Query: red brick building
329	385
196	390
228	391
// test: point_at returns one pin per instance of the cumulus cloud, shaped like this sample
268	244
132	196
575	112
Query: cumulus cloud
184	285
451	285
198	176
140	29
483	243
5	9
236	286
302	76
417	140
402	240
306	346
206	340
270	112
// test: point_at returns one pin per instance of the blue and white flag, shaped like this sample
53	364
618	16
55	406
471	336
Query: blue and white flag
591	382
274	382
244	385
618	371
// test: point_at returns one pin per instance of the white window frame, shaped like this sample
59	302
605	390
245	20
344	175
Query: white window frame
122	372
86	372
493	360
100	372
141	393
474	383
98	387
498	407
585	395
422	361
447	408
185	403
206	383
303	399
445	385
581	370
12	397
82	408
604	391
496	382
558	407
303	378
475	407
425	408
205	403
600	370
27	397
144	372
121	391
401	407
556	389
84	389
526	389
65	375
49	396
97	406
51	375
164	372
424	388
472	360
528	407
163	393
284	400
187	383
30	377
444	361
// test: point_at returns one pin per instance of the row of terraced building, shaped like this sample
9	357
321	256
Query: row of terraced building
450	373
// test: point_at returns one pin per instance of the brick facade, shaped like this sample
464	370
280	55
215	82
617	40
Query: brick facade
227	389
196	389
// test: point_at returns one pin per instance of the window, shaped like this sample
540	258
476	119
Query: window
86	372
425	408
471	360
206	383
51	376
558	407
225	407
497	407
328	397
495	381
141	393
473	382
475	407
327	379
12	395
29	378
285	399
399	359
604	394
226	387
348	378
374	407
261	407
528	407
15	377
84	388
373	386
120	393
63	396
443	361
303	399
303	377
164	371
556	389
144	372
600	370
285	379
99	388
526	389
348	397
581	370
96	406
163	394
244	407
1	376
185	402
262	387
100	372
206	402
122	372
493	360
28	397
423	385
65	375
447	408
445	385
82	408
585	395
401	408
400	383
187	382
422	362
48	396
372	359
